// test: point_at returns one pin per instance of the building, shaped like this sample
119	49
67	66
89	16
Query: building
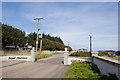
82	49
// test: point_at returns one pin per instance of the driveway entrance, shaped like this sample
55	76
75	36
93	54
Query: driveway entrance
51	67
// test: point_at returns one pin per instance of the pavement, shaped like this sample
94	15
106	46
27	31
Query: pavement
51	67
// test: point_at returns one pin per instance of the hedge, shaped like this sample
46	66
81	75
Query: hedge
86	71
102	53
81	54
83	70
117	53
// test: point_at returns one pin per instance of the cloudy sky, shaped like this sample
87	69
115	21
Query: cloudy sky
72	21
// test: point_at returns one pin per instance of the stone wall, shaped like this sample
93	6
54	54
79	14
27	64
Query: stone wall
107	65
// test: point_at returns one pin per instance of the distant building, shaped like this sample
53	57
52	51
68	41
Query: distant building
83	49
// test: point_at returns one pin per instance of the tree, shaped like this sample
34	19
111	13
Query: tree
12	36
31	39
49	42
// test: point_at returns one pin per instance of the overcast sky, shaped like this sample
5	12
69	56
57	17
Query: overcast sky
72	21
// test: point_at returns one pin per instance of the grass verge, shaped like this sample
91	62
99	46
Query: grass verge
115	58
40	56
58	53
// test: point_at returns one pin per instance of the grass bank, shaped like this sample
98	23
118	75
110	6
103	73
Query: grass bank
58	53
115	58
40	56
111	55
84	70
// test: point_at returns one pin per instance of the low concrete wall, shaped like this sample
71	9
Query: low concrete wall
78	59
107	65
25	58
21	57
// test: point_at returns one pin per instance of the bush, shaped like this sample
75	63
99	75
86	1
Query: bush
82	70
81	54
102	53
86	71
110	77
117	53
94	68
111	54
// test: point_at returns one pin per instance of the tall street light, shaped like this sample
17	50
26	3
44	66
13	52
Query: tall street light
37	32
90	45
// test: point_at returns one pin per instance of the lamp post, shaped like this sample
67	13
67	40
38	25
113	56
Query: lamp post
37	31
90	45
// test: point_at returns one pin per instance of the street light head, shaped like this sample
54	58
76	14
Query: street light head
37	18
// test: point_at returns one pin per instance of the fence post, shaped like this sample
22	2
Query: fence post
33	54
66	57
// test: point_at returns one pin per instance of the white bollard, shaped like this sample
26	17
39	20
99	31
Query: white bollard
33	54
66	57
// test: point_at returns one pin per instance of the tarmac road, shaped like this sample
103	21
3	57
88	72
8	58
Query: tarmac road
51	67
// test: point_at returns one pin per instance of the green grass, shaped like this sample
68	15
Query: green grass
40	56
111	55
81	70
85	70
81	54
115	58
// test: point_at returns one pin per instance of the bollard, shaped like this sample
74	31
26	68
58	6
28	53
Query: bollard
66	57
33	54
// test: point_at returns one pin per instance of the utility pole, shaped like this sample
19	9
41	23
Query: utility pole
37	31
40	42
90	45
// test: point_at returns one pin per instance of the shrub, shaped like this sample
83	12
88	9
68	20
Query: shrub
81	70
81	54
111	54
102	53
94	68
110	77
86	71
117	53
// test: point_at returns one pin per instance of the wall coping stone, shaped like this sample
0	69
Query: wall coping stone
114	62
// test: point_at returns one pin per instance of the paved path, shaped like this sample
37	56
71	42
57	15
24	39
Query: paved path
51	67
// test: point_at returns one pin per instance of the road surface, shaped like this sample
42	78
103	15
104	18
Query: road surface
51	67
